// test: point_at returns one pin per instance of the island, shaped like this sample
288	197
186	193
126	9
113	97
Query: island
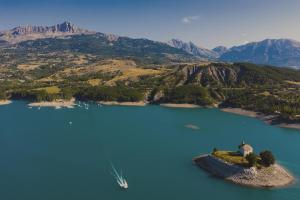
244	167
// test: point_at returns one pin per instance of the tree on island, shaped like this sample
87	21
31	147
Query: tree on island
2	95
252	159
267	158
215	150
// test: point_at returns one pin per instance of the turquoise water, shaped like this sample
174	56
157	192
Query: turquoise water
43	157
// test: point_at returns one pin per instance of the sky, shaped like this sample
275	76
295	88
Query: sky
207	23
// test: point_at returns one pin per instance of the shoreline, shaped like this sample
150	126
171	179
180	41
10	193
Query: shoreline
116	103
290	126
240	111
178	105
268	119
5	102
274	176
56	104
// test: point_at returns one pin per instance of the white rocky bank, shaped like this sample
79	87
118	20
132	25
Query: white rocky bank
273	176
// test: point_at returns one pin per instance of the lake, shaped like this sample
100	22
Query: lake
44	157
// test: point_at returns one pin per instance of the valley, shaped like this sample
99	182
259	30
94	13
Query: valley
65	62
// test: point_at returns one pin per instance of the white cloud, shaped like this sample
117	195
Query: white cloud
189	19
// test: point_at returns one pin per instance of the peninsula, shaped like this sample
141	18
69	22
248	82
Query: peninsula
244	167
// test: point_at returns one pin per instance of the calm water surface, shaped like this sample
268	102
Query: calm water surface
43	157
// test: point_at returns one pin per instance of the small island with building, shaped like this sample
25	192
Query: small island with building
244	167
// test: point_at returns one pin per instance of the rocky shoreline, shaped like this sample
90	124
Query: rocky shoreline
176	105
5	102
56	104
240	111
273	176
116	103
269	119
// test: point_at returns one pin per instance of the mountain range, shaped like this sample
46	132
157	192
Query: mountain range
66	36
23	33
193	49
277	52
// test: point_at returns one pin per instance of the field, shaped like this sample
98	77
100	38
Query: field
103	72
293	82
231	157
50	90
133	74
94	82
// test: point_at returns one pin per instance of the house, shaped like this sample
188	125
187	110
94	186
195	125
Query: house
245	149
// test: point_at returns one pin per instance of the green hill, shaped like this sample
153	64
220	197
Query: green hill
143	50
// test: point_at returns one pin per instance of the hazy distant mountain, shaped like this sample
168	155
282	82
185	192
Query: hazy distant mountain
23	33
2	42
278	52
68	37
193	49
107	46
220	50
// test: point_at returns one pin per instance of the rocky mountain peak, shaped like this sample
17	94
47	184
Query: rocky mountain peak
29	32
278	52
65	27
191	48
111	37
220	50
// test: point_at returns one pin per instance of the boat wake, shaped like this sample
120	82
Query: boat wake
119	178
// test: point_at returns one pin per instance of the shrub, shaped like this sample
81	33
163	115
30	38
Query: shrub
215	150
2	95
188	94
267	158
105	93
252	159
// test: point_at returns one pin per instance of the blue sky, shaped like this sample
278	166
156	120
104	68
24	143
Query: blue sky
208	23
